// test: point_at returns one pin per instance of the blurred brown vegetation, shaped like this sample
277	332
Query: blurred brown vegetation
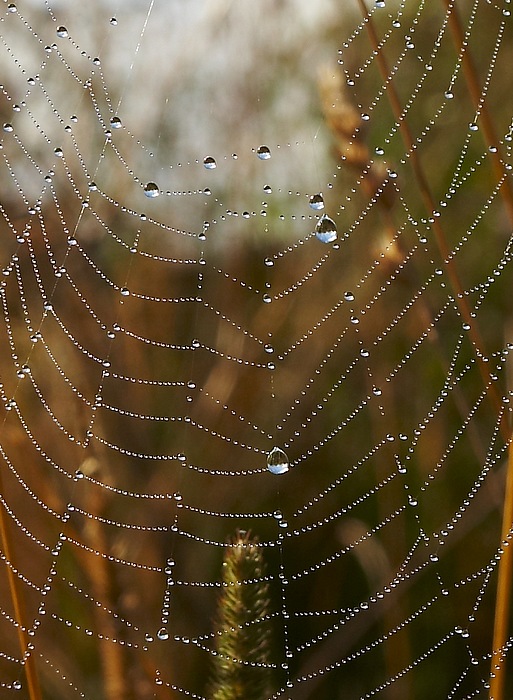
272	86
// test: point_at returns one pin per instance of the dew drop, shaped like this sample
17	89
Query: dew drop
62	32
263	152
17	685
277	461
151	190
116	123
163	634
268	189
8	128
11	7
316	202
210	163
326	230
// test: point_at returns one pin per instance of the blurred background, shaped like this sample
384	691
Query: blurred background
145	377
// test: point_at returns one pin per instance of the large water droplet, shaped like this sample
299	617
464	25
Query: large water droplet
163	634
326	230
277	461
263	152
210	163
151	190
62	32
116	123
317	201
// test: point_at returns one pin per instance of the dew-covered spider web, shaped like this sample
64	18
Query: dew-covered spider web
256	276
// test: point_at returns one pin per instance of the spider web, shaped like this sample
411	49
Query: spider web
256	275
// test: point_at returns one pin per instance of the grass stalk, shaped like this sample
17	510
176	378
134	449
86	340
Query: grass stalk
33	687
242	670
503	595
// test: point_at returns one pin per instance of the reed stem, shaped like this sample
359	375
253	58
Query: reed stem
33	687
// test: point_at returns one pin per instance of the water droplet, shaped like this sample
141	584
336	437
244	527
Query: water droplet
267	299
151	190
62	32
263	152
8	128
125	291
269	262
17	685
349	296
317	201
113	21
326	230
210	163
11	7
449	95
116	123
268	189
58	152
277	461
163	634
380	3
